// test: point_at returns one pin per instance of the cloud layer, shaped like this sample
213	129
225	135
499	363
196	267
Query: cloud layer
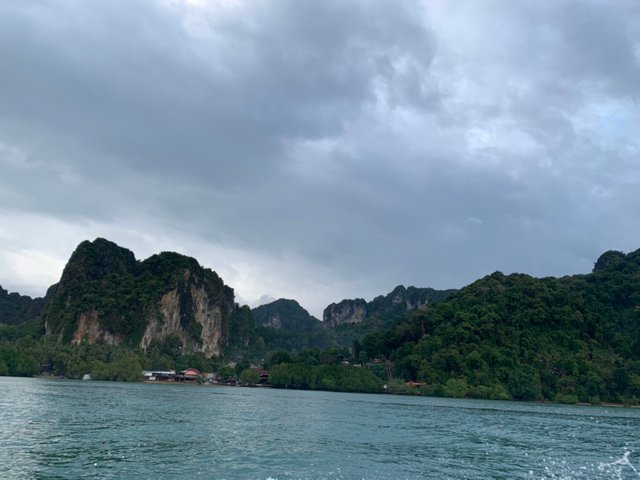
320	150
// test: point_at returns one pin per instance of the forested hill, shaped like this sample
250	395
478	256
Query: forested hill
351	320
106	295
285	314
284	324
570	339
16	309
384	310
575	338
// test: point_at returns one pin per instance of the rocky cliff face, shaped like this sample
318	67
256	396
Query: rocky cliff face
383	310
106	295
345	312
206	332
89	329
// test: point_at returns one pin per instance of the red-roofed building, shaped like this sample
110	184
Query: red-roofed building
191	372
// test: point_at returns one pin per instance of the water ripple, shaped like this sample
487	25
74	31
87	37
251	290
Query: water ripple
77	430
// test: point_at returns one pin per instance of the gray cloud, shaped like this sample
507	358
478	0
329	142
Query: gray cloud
321	150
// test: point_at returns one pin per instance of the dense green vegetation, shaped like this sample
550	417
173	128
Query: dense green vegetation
564	339
285	325
105	278
570	339
339	378
385	310
285	314
278	338
32	353
382	312
16	309
24	351
321	370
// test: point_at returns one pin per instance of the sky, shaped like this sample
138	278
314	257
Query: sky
320	150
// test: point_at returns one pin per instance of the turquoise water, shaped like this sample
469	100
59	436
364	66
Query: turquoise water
72	430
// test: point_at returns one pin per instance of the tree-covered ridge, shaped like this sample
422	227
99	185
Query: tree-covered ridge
105	278
16	309
570	339
379	314
384	310
284	314
575	338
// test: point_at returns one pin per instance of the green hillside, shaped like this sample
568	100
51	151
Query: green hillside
105	278
16	309
284	314
575	338
570	339
351	320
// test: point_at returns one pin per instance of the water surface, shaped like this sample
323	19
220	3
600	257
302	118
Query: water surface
74	430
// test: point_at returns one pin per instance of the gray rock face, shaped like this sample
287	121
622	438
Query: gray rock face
345	312
167	321
383	310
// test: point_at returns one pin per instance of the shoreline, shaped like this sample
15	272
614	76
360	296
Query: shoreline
204	384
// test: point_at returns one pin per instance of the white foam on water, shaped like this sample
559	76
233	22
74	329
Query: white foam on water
617	467
621	468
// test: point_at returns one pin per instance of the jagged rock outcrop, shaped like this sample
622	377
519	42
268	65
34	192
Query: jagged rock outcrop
345	312
89	330
208	326
106	295
383	310
284	314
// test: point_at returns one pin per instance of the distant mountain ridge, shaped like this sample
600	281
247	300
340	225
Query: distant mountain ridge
106	295
286	314
567	339
16	309
284	324
384	310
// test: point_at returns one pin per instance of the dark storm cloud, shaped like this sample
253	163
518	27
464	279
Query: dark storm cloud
152	91
364	144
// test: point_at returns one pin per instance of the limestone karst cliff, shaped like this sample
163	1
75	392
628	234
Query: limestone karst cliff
345	312
106	295
383	310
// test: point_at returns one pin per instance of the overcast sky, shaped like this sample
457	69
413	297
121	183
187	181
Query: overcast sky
320	150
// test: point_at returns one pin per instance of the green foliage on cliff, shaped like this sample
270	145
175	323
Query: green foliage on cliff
567	339
513	336
241	334
16	309
385	310
284	324
286	315
382	312
104	278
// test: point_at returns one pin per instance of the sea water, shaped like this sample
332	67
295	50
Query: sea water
73	430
